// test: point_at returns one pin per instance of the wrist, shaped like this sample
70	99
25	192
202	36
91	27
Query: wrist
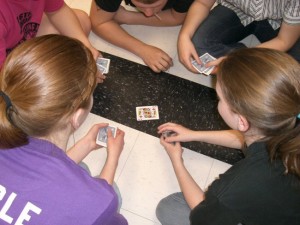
177	162
112	161
139	50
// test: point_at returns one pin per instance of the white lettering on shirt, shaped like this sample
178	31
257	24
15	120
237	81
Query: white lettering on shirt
24	216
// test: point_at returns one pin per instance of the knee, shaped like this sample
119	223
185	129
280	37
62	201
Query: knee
84	20
162	210
204	41
173	210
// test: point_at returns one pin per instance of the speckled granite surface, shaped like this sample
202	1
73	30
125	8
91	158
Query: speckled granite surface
129	85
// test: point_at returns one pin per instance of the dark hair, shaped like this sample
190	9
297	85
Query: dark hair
147	1
46	79
264	86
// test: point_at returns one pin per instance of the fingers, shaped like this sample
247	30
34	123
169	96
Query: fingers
100	77
163	142
120	133
162	65
99	125
155	58
169	146
109	133
215	62
166	126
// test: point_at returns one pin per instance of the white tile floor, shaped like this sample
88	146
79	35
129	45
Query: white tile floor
145	174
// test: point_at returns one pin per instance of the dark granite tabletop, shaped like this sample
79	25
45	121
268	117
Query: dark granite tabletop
129	85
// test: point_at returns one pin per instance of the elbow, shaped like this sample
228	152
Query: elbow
178	18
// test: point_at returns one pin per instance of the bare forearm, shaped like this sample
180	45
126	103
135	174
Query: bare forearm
226	138
276	44
195	16
193	194
66	22
109	170
115	34
79	151
286	38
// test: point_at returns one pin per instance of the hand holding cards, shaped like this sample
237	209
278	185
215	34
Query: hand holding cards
205	58
103	65
169	133
102	135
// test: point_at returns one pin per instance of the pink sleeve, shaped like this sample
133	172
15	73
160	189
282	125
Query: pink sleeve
2	46
53	5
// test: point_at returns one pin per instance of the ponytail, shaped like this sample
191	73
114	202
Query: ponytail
10	135
286	147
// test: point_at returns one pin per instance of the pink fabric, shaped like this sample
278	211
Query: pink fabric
20	21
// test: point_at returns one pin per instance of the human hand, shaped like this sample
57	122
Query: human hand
215	63
89	140
94	52
183	134
86	144
100	77
187	53
174	150
114	145
156	58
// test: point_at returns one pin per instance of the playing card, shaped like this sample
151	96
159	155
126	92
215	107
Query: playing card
168	133
147	113
102	135
205	58
101	69
103	64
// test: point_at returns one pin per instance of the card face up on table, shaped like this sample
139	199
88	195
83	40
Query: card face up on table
147	113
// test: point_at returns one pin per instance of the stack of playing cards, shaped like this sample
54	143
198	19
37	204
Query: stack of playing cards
147	113
103	65
205	58
102	135
168	133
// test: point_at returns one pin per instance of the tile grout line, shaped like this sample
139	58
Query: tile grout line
121	171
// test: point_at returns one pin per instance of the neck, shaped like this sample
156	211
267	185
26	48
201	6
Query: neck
252	136
59	138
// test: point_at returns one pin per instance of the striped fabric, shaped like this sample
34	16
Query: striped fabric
273	10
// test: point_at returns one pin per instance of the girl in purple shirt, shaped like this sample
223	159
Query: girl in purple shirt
46	87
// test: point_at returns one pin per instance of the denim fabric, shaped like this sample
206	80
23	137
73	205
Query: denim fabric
173	210
222	30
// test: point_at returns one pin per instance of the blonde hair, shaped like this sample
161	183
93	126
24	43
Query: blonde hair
264	86
46	79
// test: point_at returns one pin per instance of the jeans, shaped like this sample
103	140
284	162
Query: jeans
173	210
221	31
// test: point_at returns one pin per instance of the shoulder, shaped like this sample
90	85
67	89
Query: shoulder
291	14
251	184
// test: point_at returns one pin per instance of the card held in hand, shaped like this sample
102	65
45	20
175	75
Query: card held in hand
147	113
102	135
205	58
103	65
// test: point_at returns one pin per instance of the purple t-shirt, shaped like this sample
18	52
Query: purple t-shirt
40	184
20	21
